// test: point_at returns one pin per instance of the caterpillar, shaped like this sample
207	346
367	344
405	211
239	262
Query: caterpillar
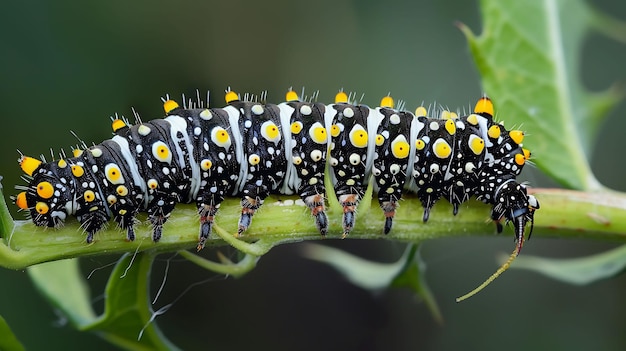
250	149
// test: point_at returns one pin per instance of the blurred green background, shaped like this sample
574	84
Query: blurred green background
69	65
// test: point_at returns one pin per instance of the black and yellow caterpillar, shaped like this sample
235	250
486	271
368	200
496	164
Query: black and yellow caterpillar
251	149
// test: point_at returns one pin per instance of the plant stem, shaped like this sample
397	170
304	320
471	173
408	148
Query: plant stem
563	213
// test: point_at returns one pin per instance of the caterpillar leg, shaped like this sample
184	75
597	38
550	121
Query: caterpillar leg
349	203
428	197
389	208
316	204
125	219
428	205
157	222
128	225
207	213
158	215
92	222
89	238
249	206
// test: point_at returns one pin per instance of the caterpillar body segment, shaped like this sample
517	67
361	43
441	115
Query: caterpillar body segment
250	149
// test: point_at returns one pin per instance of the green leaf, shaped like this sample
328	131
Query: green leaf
407	271
62	283
529	56
127	310
579	271
359	271
6	220
8	341
413	277
128	317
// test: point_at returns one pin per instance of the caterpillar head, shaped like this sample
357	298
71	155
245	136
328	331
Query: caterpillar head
512	203
49	195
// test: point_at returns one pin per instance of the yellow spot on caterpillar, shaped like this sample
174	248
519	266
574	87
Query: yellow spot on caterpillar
472	119
42	208
168	106
387	101
341	97
113	173
476	144
117	124
89	196
231	96
450	126
358	136
296	127
517	136
270	131
441	148
400	147
161	152
318	133
20	200
421	112
291	96
220	137
484	106
77	171
45	190
494	132
29	164
379	140
420	144
121	190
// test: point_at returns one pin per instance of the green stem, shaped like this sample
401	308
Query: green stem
563	213
232	269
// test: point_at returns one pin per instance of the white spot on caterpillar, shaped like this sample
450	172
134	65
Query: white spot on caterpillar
206	115
257	110
143	130
348	112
